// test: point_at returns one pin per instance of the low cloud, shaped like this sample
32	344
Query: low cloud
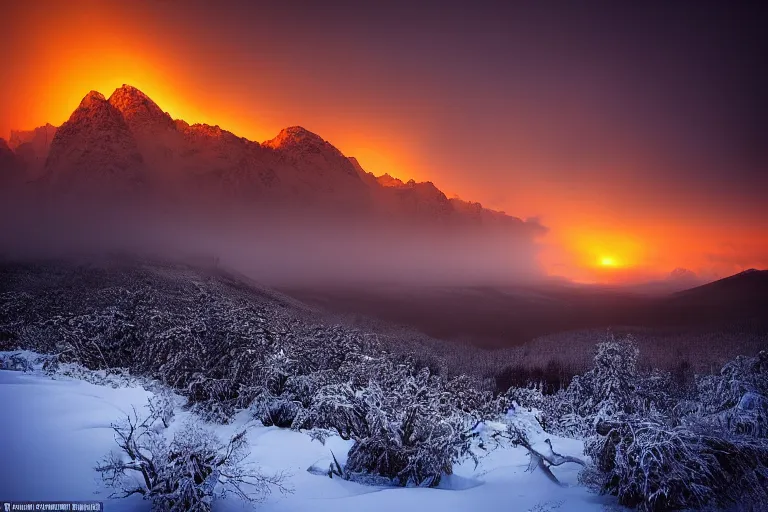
281	250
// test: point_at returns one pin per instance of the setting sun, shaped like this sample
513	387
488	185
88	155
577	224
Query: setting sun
607	261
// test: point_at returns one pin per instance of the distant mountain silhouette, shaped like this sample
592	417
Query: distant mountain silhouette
747	289
32	146
737	302
507	316
127	142
677	280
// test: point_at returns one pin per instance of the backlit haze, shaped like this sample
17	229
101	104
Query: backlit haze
635	134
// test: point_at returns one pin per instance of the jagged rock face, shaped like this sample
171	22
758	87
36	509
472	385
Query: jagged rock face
154	131
96	150
385	180
467	207
218	164
423	199
298	139
359	168
418	201
129	143
316	171
141	114
475	212
312	154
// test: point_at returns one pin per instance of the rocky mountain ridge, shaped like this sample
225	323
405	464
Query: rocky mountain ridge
123	158
127	142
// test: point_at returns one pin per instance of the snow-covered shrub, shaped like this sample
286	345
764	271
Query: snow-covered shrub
213	411
530	397
278	412
655	394
606	392
613	390
277	368
52	366
97	340
358	369
295	394
406	430
161	406
302	388
532	400
185	473
737	398
654	467
16	361
612	383
467	395
43	338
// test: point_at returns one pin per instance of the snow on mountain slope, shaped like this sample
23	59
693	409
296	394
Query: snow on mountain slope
317	170
52	434
424	201
95	151
139	111
129	141
54	431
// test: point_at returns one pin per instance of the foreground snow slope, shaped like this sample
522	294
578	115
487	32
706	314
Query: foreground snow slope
52	432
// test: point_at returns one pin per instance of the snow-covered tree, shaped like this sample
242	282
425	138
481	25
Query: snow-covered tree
737	398
468	395
16	361
655	467
607	391
708	451
185	473
407	430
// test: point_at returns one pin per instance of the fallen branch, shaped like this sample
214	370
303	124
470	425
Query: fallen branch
540	459
544	460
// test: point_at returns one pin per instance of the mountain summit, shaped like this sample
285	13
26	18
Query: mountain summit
139	111
129	141
296	137
94	149
91	99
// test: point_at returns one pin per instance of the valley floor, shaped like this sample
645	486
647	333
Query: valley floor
53	432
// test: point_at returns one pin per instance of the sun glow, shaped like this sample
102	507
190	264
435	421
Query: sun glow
608	261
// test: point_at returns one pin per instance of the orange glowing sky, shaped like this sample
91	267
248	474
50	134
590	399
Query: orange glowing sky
512	124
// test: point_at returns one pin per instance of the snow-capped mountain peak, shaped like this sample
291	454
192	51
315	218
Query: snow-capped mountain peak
294	136
139	111
92	99
94	147
129	138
